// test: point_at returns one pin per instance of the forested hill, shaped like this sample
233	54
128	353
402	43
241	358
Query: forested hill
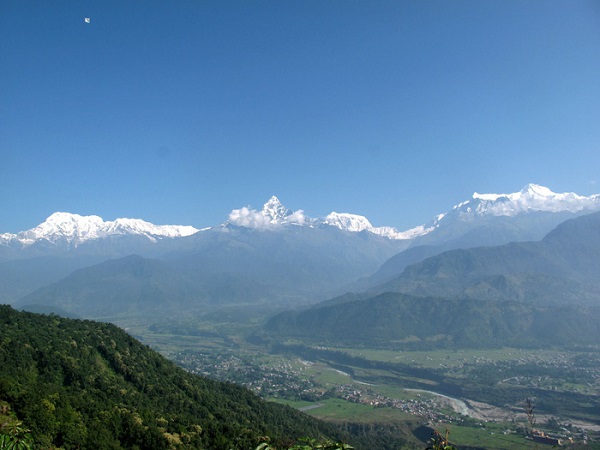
89	385
398	320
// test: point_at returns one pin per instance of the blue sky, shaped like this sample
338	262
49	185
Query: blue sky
178	112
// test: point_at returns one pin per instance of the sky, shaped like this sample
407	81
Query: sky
178	112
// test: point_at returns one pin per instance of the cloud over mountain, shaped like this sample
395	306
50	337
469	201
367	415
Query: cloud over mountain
272	215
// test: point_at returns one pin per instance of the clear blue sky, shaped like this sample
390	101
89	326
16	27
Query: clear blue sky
177	112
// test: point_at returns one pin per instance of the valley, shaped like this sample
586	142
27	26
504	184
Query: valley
478	394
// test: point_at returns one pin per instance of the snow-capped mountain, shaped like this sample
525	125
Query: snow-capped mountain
532	197
75	229
356	223
275	211
487	220
494	219
274	214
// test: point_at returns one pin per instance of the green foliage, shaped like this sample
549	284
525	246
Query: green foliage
439	442
14	437
307	443
12	433
89	385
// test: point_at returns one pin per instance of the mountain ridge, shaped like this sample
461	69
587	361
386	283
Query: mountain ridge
75	229
561	268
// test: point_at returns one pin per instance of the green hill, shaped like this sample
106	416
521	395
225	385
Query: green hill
399	320
89	385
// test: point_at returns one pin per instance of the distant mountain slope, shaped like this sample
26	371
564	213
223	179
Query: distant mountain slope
309	260
486	232
88	385
130	285
288	263
563	268
393	320
20	277
223	266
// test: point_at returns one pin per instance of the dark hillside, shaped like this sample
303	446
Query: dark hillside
89	385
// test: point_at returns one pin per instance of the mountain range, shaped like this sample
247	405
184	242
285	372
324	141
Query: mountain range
73	230
274	256
537	293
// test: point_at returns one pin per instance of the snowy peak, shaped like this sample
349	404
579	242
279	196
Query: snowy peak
275	211
75	229
62	225
348	222
355	223
138	226
535	190
529	191
532	197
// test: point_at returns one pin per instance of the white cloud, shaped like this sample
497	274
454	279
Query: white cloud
297	217
249	218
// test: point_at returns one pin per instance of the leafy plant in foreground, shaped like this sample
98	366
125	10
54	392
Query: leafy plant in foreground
307	443
15	437
439	442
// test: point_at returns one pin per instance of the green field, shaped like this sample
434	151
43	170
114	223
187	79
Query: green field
340	410
448	359
491	437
